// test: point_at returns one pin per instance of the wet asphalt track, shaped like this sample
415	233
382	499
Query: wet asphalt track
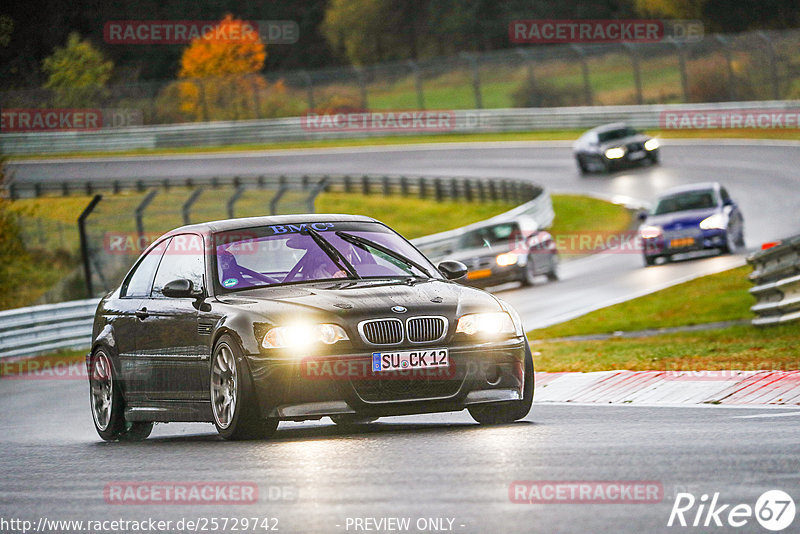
439	466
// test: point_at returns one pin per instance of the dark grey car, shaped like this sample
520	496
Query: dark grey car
613	146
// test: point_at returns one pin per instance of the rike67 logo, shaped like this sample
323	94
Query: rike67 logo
774	510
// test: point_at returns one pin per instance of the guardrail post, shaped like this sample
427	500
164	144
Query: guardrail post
187	206
309	88
527	58
365	189
587	83
347	185
404	186
64	189
773	65
492	191
273	203
362	84
422	192
476	78
481	191
729	60
682	67
468	190
87	270
387	188
637	75
140	212
437	188
319	188
417	83
234	198
453	188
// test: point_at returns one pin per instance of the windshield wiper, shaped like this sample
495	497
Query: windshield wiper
332	252
363	242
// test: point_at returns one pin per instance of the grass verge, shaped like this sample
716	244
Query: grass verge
736	347
717	297
543	135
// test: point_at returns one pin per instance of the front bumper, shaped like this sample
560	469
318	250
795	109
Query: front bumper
701	240
317	386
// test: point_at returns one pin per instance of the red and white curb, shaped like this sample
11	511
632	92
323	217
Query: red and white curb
670	387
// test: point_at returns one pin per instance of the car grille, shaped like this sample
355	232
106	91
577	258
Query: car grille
393	332
635	147
479	263
383	331
402	390
425	329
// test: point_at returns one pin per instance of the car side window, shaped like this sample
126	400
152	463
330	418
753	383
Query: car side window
183	258
140	280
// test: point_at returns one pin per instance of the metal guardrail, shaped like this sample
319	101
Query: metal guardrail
223	133
432	187
776	275
40	329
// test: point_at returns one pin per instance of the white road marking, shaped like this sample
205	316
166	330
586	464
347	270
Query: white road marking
788	414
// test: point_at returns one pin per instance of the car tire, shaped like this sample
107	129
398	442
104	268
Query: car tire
740	236
508	412
552	275
730	243
654	159
529	275
582	165
352	420
650	260
108	405
234	405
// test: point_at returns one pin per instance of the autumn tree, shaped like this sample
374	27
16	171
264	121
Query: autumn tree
220	72
77	73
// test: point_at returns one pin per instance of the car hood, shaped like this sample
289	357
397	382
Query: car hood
638	138
356	300
680	219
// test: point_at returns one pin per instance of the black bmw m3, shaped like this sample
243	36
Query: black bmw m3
247	322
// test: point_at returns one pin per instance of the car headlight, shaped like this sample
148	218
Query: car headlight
718	221
509	258
651	144
303	335
615	153
650	232
486	324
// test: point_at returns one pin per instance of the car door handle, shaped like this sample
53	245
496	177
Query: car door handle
141	313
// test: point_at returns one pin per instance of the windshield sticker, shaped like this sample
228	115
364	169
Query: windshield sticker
296	228
230	282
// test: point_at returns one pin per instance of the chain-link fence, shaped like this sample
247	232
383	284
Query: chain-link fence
746	66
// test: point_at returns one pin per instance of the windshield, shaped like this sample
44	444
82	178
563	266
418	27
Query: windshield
292	253
490	236
616	134
693	200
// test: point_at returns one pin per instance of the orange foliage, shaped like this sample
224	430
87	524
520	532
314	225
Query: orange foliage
233	47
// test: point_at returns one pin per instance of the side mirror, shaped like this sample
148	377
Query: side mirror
452	270
642	216
180	289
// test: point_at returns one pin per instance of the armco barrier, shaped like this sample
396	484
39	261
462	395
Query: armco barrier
776	275
292	129
46	328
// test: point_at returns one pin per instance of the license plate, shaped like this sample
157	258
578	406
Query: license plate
636	155
481	273
409	360
682	242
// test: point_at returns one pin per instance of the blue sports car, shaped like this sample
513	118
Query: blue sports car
689	218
